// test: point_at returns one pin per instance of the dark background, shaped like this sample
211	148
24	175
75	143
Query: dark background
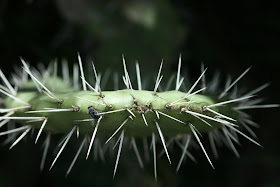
226	37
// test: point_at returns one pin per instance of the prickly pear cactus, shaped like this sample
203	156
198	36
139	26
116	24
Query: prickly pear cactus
41	100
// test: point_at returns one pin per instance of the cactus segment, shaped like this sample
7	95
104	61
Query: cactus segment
54	105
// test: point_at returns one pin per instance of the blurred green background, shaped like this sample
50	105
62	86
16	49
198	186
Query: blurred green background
227	37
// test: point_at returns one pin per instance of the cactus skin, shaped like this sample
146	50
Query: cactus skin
63	121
